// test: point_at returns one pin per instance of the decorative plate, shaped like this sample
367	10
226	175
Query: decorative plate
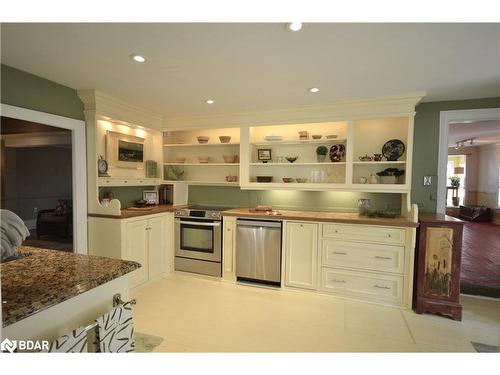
337	153
393	149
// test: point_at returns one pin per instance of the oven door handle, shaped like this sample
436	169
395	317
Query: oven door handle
217	224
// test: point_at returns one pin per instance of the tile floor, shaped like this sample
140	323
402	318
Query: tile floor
195	314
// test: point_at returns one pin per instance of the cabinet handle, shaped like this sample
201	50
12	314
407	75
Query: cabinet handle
381	287
335	231
340	253
389	235
380	257
338	281
229	229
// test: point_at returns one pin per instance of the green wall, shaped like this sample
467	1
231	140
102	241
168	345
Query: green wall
26	90
426	146
284	199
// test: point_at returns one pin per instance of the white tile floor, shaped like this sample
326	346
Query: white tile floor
195	314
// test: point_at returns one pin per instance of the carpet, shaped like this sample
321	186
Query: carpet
145	343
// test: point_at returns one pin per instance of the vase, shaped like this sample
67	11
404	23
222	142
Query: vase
321	158
364	206
372	179
455	201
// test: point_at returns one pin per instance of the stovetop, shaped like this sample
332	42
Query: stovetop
201	212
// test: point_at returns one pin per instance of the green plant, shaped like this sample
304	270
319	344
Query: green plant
321	150
454	181
391	172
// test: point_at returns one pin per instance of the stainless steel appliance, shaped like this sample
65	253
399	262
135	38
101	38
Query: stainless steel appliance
258	251
198	240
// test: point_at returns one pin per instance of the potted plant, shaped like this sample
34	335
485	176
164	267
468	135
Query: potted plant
455	182
321	152
390	175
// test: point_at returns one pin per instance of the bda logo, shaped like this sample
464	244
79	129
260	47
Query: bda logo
8	346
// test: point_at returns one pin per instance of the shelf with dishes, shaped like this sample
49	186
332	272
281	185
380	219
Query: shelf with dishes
202	183
201	144
298	164
204	164
299	142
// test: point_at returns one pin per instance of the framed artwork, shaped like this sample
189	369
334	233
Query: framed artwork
438	261
264	154
150	196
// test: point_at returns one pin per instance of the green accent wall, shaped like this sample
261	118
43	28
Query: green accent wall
26	90
426	146
127	195
292	200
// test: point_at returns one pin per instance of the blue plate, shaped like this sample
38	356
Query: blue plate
393	149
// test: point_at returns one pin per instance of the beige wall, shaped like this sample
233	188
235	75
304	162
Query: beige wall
36	177
487	179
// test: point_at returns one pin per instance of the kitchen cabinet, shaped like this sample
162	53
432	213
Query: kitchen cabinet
301	255
229	241
146	239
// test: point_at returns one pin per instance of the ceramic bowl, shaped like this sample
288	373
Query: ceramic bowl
316	136
288	179
291	159
203	159
331	136
202	139
229	158
224	138
301	180
264	178
180	160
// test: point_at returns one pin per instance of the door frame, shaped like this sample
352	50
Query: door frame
79	168
445	117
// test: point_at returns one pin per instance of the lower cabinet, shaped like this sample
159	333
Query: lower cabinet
301	255
147	240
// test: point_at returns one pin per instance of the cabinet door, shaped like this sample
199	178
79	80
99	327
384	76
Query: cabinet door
301	255
229	227
137	250
157	244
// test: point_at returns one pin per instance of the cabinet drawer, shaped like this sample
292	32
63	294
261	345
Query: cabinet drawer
366	233
376	257
363	285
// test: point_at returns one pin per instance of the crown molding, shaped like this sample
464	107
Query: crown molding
107	106
385	106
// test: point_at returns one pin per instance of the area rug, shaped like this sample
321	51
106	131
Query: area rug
145	343
485	348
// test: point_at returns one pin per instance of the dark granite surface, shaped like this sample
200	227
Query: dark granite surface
43	278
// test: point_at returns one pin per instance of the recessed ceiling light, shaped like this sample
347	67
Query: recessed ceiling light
137	58
294	26
313	89
209	101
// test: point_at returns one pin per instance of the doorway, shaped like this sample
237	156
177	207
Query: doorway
46	139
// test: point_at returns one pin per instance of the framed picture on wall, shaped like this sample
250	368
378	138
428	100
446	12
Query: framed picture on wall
264	154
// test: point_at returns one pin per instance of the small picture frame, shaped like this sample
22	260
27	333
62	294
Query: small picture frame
150	196
264	155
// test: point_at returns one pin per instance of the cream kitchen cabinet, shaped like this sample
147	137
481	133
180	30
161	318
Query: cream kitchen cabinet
229	248
147	240
301	254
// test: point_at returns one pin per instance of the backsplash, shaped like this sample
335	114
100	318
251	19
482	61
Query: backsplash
292	200
127	195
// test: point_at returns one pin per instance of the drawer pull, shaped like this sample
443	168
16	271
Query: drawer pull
338	281
381	287
340	253
380	257
389	235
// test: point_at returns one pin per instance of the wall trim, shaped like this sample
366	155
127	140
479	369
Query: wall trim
79	168
445	117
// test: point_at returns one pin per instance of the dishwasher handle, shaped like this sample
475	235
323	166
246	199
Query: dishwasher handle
258	223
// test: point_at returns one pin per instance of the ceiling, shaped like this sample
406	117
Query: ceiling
259	66
483	132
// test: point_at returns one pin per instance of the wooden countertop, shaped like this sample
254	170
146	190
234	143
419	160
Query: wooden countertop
128	213
43	278
334	217
438	218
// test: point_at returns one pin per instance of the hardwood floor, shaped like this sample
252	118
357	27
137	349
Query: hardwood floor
481	259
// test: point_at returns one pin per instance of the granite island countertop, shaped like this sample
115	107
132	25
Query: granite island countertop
44	278
324	216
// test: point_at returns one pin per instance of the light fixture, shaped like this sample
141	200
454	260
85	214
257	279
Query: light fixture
294	26
462	143
209	101
314	89
137	58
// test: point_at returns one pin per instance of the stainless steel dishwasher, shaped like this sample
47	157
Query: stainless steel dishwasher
258	251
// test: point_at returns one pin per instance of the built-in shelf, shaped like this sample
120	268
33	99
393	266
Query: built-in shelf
299	142
287	164
379	162
385	188
199	144
202	183
203	164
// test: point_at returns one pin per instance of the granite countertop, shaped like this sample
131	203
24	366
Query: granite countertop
45	278
127	213
335	217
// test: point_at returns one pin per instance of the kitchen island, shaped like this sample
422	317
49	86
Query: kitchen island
47	293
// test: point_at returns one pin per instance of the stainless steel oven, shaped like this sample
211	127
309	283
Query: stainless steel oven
198	241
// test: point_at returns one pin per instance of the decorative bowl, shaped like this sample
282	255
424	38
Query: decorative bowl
203	159
393	149
229	158
273	138
291	159
301	180
202	139
224	138
264	178
180	160
316	136
331	136
288	179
